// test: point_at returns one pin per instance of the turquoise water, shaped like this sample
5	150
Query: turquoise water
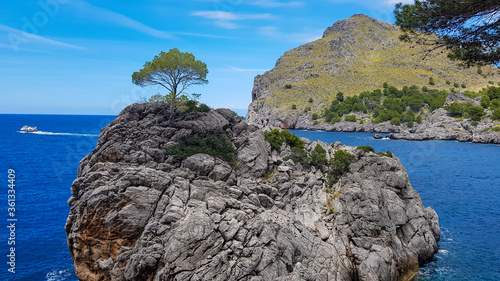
461	182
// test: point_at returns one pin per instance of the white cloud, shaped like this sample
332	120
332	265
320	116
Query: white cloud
101	14
18	37
227	19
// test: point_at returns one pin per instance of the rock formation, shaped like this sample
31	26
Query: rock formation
140	214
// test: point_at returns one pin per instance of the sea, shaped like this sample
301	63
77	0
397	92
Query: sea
459	180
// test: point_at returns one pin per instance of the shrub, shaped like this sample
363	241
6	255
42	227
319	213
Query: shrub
474	123
217	145
455	85
410	124
191	106
318	156
366	148
496	114
419	119
299	155
425	89
396	121
340	96
485	101
288	86
491	82
431	81
455	109
294	106
339	164
315	116
475	113
448	82
350	118
276	138
385	85
464	86
479	70
310	100
307	109
332	117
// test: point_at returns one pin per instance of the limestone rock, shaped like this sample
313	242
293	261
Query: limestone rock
139	214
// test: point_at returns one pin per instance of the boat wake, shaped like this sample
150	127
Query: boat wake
58	275
59	134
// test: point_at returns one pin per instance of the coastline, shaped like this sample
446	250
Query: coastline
437	126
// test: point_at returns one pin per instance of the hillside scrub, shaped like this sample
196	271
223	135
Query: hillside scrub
386	105
405	106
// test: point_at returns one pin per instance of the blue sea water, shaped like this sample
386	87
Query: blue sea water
45	165
459	180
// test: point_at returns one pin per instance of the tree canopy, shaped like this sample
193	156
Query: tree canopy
175	71
470	29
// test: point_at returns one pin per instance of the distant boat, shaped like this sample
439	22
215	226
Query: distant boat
28	129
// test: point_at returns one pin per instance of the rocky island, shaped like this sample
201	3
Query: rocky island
143	209
361	70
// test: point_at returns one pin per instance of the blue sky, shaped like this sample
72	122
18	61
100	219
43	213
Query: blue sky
77	56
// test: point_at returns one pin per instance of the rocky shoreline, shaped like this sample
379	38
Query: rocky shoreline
437	126
138	213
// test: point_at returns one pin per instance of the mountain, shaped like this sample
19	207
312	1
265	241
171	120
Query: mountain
355	55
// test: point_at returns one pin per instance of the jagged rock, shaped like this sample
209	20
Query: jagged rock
201	164
377	137
264	218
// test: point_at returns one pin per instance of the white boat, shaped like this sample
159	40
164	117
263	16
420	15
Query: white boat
28	129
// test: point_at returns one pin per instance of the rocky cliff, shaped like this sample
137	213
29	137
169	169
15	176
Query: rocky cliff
355	55
138	213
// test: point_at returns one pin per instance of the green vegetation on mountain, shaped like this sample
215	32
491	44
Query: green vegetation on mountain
407	105
389	104
358	55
